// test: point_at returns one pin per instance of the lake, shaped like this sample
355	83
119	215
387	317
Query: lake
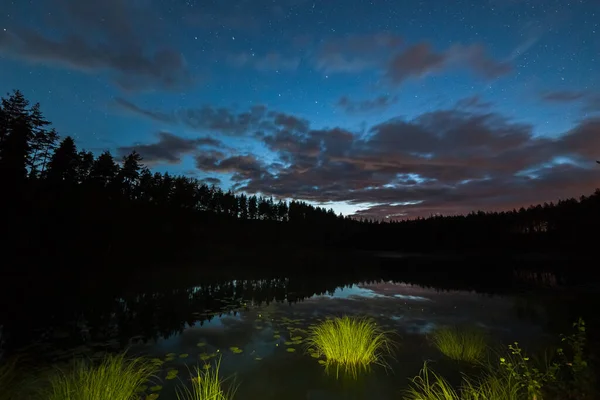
257	327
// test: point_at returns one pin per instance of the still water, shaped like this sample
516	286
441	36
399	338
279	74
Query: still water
257	327
255	343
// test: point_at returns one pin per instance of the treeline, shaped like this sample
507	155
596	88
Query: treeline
569	225
30	152
62	204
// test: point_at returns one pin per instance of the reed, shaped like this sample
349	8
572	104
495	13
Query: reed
461	344
115	378
206	385
350	343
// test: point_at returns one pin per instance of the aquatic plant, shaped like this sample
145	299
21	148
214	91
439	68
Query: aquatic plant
578	379
115	378
462	344
206	385
494	385
528	376
349	343
430	386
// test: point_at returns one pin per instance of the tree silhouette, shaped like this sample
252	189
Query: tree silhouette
42	141
64	163
15	152
136	213
104	170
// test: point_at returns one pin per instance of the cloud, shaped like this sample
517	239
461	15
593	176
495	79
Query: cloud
210	181
589	102
134	109
592	105
476	58
354	53
242	167
111	45
376	104
388	55
421	59
446	161
222	120
269	62
563	96
416	61
169	148
474	102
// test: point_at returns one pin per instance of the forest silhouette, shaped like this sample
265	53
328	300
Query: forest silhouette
64	205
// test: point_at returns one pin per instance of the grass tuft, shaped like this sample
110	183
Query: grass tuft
461	344
430	386
206	385
114	378
349	343
494	385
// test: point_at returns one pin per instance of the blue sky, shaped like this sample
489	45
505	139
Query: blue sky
344	94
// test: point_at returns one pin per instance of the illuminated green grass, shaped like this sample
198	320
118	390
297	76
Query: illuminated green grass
115	378
492	386
206	385
430	386
461	344
349	343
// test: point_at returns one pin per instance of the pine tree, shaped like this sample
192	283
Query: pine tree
39	140
243	206
130	173
104	170
253	207
16	137
48	144
64	163
84	168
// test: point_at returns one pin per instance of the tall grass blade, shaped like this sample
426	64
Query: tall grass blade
207	385
114	378
350	343
461	344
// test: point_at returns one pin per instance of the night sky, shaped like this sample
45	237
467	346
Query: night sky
379	108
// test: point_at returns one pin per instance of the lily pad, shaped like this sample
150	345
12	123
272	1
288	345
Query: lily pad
276	336
236	350
295	338
288	343
152	396
157	361
315	355
290	349
141	388
201	344
322	362
184	355
170	355
258	358
155	388
172	374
